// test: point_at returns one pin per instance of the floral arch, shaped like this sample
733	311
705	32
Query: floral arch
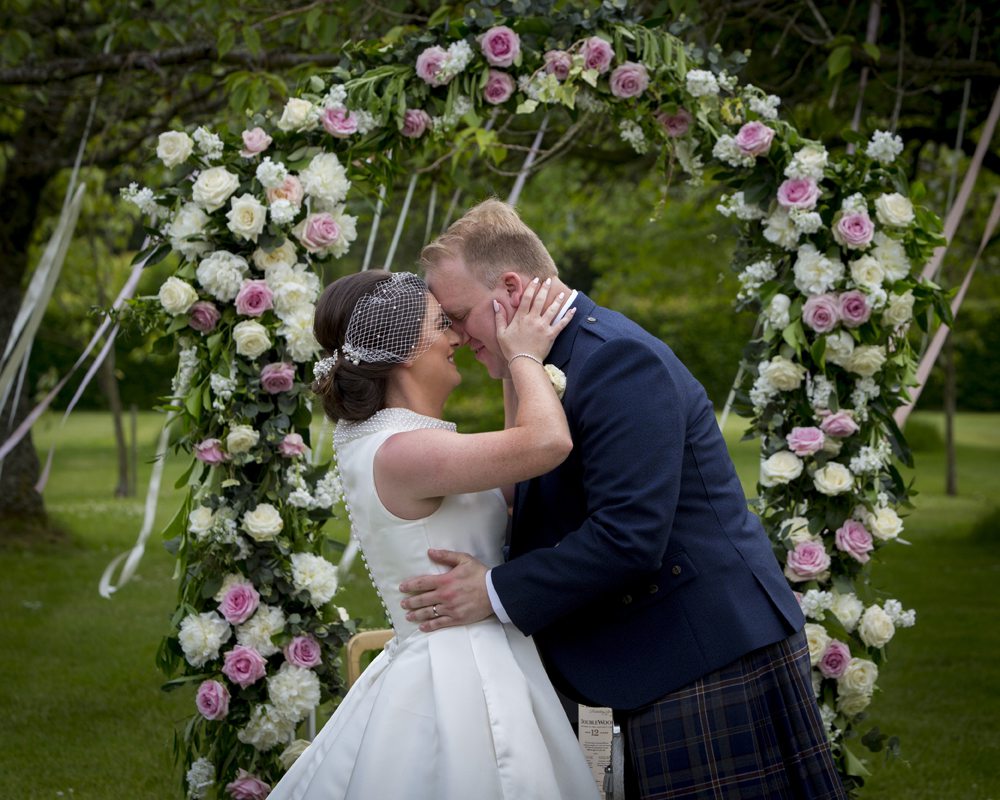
829	248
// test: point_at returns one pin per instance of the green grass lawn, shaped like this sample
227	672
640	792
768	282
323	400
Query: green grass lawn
82	716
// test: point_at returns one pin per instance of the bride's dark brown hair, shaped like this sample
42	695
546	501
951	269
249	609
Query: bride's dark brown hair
349	391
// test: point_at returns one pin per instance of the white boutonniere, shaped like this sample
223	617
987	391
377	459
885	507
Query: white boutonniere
558	378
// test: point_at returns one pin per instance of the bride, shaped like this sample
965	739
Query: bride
462	712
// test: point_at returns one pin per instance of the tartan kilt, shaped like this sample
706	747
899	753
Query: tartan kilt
749	730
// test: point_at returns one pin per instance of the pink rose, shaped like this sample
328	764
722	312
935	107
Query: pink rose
833	663
805	441
248	787
339	122
754	138
416	121
276	378
597	54
243	665
318	231
500	45
808	561
839	425
429	65
854	308
291	190
254	298
629	80
203	316
212	700
239	603
209	451
821	312
558	63
854	539
255	141
499	87
798	193
292	446
303	651
854	230
675	125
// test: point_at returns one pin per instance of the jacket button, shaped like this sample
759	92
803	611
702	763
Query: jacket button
627	599
676	569
591	319
653	588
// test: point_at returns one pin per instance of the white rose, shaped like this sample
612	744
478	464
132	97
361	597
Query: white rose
294	691
251	339
839	346
285	255
884	524
777	311
291	753
847	609
257	632
246	216
783	373
222	273
174	147
241	438
298	115
892	257
832	447
899	310
851	704
833	478
263	523
315	575
894	210
866	360
817	639
876	627
867	272
214	187
780	467
176	296
326	179
796	530
188	224
200	520
859	677
201	636
814	272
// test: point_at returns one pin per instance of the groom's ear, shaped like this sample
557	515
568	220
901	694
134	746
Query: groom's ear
513	285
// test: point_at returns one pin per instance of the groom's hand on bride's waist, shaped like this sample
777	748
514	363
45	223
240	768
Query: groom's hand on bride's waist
455	597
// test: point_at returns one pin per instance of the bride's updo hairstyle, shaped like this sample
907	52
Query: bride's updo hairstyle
367	323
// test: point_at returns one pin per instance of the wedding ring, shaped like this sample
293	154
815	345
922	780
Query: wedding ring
434	608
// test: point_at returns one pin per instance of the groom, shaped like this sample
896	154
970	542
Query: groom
647	585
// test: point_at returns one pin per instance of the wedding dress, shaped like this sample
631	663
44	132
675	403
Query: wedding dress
462	713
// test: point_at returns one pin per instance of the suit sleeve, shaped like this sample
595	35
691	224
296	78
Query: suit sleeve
629	433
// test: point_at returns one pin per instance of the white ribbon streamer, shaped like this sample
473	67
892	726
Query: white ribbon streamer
401	222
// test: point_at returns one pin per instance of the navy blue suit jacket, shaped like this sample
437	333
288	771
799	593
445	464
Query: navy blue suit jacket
636	564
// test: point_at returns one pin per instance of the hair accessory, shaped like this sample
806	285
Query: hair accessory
325	366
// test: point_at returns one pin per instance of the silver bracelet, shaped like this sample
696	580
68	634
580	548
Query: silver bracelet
536	359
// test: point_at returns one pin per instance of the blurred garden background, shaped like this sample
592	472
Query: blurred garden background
81	710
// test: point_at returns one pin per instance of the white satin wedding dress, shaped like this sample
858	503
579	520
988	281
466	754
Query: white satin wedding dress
463	713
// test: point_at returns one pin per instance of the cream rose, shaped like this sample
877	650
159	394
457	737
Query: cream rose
214	187
796	530
174	147
251	339
246	216
866	360
847	609
200	520
558	379
176	296
884	524
850	704
817	638
859	677
784	375
780	467
833	478
899	309
263	523
894	210
876	627
298	115
285	255
241	438
188	224
867	272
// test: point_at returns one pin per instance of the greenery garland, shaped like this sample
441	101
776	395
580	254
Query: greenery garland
827	257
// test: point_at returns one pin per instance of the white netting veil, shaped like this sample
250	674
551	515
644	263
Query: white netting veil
397	322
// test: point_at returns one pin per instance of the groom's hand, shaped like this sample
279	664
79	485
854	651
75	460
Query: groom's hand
455	597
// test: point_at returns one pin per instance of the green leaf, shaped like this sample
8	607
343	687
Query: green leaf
872	50
226	40
252	39
527	107
839	60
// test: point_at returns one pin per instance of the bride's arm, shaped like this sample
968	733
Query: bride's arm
430	463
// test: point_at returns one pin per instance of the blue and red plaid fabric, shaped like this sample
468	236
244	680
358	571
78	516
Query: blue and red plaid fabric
749	730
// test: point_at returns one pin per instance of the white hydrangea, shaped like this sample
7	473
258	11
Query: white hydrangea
141	197
209	143
315	575
222	390
814	272
257	631
271	174
329	490
855	204
366	122
819	390
632	134
865	390
726	81
776	314
335	96
325	179
815	602
187	363
736	204
293	691
805	222
222	274
754	276
884	147
458	58
200	778
224	530
779	229
870	458
267	728
727	151
900	618
701	83
762	392
297	329
293	287
201	636
282	212
809	162
766	107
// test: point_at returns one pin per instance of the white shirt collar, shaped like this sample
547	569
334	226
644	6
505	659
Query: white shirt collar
566	306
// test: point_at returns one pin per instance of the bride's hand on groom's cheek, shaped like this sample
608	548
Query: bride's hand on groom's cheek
455	597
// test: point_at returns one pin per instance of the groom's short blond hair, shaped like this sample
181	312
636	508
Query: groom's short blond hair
491	239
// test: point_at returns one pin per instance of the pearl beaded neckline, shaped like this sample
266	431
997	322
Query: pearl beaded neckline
396	419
